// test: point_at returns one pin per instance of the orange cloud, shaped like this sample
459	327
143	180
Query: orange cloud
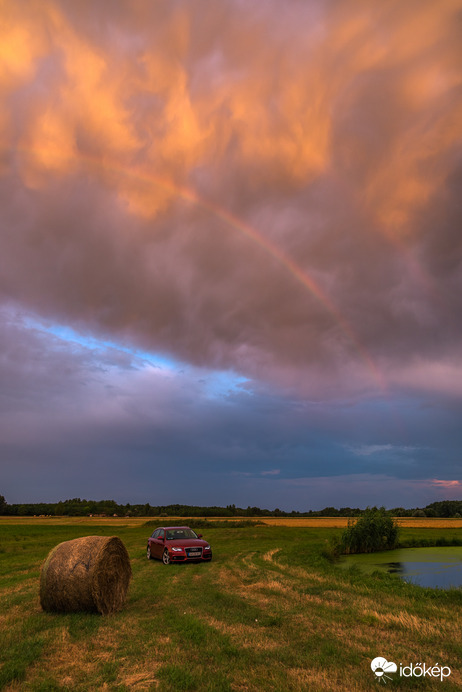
446	484
273	112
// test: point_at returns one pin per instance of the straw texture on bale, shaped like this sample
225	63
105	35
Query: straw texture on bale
86	574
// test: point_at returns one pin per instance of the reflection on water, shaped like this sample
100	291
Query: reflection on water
431	567
440	575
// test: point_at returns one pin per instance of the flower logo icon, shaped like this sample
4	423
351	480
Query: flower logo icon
380	666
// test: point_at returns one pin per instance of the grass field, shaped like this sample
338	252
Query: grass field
268	613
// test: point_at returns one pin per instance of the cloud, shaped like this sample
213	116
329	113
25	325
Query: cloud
230	237
443	376
88	419
370	450
367	450
138	147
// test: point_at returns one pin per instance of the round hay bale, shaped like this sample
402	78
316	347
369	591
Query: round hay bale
90	573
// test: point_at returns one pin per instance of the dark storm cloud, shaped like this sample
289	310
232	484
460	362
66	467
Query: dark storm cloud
96	421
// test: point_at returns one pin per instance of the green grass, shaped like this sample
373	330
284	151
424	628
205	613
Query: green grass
268	613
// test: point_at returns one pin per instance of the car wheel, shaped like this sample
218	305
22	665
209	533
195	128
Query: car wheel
166	557
148	553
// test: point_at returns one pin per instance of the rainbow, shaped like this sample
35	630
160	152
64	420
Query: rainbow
244	229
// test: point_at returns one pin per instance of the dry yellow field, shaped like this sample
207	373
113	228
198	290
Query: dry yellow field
306	522
416	523
131	522
342	522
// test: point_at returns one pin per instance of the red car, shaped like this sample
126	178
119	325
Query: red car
178	544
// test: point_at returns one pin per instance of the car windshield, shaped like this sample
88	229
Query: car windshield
180	534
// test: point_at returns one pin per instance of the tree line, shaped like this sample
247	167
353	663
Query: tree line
78	508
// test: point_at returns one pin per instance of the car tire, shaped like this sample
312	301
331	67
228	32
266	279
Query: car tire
166	557
148	553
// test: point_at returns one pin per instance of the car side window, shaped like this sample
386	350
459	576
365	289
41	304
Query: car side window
155	534
161	535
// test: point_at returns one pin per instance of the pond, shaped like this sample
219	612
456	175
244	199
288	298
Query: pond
434	567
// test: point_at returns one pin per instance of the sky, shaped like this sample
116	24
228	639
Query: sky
230	252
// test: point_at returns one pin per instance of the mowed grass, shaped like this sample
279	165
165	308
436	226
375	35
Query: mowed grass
268	613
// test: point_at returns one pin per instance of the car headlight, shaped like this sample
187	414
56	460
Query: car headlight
177	550
207	547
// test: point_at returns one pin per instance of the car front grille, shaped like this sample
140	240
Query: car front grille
194	550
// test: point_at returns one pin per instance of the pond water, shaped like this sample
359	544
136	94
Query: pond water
434	567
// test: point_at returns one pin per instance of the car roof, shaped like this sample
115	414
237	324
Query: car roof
169	528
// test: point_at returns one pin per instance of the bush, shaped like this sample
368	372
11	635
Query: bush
332	548
375	530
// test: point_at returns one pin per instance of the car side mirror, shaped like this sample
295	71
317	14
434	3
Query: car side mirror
199	535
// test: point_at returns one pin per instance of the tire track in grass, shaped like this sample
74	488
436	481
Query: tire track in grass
349	635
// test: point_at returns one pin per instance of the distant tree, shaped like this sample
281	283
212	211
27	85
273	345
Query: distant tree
3	505
329	512
445	508
419	513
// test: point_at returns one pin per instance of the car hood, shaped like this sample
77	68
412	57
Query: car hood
187	543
